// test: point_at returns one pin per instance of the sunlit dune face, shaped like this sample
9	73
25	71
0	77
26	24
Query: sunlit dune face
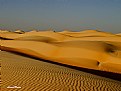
89	49
26	74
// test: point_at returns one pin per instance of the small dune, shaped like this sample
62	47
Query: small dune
119	34
87	33
36	38
19	31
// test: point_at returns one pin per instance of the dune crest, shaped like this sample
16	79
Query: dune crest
90	49
19	31
87	33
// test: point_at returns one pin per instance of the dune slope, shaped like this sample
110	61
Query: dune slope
36	75
88	49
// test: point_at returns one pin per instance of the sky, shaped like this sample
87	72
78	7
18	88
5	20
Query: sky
74	15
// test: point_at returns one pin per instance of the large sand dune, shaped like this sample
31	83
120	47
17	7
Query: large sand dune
36	75
90	49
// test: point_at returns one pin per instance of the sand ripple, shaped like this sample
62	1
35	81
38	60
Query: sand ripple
35	75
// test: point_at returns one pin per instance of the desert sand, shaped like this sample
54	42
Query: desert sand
36	75
89	49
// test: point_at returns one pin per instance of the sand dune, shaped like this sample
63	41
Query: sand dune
119	34
90	49
35	75
87	33
19	31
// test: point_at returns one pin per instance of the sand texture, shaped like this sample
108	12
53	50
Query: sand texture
90	49
60	61
36	75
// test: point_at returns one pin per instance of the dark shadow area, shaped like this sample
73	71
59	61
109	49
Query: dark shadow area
106	74
1	38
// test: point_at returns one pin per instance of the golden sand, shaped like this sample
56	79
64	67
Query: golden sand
90	49
36	75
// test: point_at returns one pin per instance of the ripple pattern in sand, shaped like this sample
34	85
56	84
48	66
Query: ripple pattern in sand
35	75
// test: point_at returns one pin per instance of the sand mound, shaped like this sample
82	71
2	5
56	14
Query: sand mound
87	33
19	31
37	38
119	34
35	75
3	31
88	49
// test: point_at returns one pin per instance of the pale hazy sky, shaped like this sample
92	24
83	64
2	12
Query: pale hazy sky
75	15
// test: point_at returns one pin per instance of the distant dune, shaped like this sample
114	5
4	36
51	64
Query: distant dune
119	34
90	49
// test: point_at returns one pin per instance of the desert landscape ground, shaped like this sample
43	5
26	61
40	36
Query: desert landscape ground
32	60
